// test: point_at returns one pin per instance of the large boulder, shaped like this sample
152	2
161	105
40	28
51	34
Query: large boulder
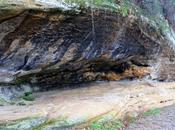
111	41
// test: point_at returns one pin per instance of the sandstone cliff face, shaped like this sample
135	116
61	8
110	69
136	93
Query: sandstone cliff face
58	47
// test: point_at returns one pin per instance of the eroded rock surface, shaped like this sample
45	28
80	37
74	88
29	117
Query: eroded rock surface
93	44
67	48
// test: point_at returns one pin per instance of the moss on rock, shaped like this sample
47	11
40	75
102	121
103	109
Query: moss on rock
23	124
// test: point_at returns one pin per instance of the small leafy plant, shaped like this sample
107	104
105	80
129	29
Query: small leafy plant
28	96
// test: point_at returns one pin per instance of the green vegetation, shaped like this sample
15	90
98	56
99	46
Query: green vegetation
104	122
21	103
153	13
108	121
60	123
112	5
28	96
35	123
125	7
39	123
45	124
23	124
109	125
152	112
2	102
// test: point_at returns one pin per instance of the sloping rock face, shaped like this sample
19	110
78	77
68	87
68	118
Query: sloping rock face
54	47
161	9
69	48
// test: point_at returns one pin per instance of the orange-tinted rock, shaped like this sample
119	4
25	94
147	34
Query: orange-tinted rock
56	48
133	72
